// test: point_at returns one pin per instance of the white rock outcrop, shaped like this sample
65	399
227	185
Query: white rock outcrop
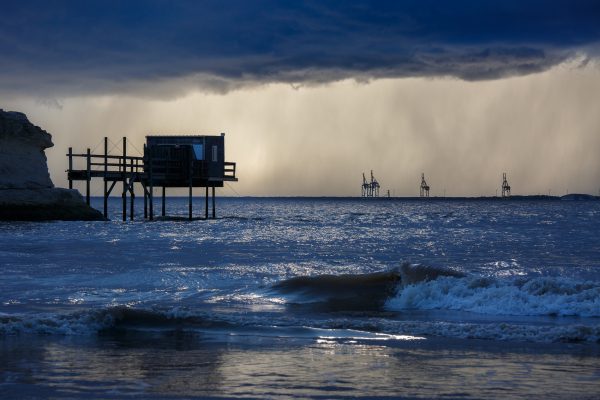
22	158
26	190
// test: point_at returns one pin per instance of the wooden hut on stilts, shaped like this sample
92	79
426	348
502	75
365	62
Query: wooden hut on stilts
167	162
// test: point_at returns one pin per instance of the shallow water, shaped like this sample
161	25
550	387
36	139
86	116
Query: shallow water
177	364
177	308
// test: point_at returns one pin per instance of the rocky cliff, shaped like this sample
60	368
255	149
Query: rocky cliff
26	190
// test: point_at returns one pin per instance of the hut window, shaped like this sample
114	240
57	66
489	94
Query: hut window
198	151
214	153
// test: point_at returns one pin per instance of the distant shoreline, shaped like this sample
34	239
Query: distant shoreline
569	197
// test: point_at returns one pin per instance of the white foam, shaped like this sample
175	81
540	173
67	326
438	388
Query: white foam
536	296
81	323
288	325
504	331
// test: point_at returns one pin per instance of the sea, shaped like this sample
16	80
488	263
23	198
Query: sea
306	298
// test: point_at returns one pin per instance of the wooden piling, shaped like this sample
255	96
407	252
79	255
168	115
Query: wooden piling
131	191
151	180
190	203
145	201
88	177
124	178
70	167
131	203
164	194
206	204
105	181
191	175
214	213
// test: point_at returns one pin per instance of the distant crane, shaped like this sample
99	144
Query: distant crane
365	187
505	186
370	189
424	190
374	186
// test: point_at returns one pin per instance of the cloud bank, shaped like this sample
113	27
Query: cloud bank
163	48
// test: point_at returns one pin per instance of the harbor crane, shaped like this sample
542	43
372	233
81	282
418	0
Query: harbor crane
505	186
424	190
370	188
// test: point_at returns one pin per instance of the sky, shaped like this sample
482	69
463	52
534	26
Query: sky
311	94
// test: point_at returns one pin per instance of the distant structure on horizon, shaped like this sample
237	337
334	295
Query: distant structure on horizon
370	189
424	190
505	186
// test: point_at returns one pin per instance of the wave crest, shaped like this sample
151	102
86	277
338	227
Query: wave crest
521	297
356	292
94	321
341	292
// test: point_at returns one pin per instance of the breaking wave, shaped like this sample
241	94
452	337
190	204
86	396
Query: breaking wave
290	325
385	301
356	291
539	296
419	287
94	321
341	292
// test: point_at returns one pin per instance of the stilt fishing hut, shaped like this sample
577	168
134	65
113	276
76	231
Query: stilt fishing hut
167	162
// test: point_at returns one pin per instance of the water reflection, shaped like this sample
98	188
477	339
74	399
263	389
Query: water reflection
184	364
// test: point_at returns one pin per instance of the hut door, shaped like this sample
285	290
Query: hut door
215	163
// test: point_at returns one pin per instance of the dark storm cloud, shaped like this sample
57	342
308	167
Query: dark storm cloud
69	47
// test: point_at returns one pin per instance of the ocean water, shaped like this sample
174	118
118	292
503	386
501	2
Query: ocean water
306	298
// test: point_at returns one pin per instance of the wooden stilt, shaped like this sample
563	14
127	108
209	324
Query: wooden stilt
131	192
145	201
124	175
151	192
190	202
105	181
88	177
70	167
151	202
131	201
214	214
191	174
206	204
164	190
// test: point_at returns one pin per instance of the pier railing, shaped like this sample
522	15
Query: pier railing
124	164
229	170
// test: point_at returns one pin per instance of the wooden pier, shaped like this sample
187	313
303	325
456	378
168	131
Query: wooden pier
168	161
